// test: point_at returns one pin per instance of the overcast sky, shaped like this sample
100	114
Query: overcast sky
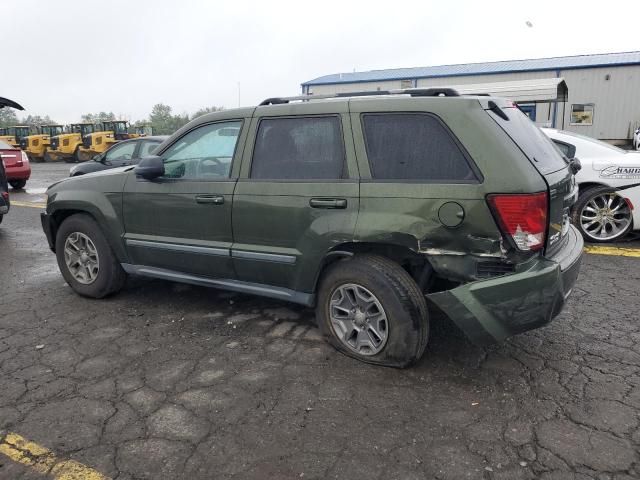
67	57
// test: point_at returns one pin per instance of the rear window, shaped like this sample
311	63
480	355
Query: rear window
5	146
414	146
531	140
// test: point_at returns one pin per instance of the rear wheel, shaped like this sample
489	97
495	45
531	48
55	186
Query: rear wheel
371	309
86	260
602	214
17	184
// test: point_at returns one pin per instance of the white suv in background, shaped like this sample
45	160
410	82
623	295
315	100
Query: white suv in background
609	181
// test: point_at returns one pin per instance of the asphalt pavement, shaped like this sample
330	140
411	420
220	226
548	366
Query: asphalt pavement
170	381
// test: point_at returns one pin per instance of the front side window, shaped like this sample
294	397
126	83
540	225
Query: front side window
147	148
582	114
204	153
304	148
409	146
121	152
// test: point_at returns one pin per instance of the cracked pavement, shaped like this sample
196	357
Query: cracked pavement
172	381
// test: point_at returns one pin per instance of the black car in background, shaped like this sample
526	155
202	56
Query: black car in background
127	152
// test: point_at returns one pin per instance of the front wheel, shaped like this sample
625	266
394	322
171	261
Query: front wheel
602	214
86	260
17	184
371	309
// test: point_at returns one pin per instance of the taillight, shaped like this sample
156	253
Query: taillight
523	217
5	195
25	158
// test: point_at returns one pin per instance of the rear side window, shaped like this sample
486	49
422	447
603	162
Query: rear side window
298	148
531	140
414	146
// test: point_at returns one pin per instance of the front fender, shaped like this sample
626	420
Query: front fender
98	196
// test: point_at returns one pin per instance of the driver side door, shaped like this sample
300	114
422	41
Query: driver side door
182	221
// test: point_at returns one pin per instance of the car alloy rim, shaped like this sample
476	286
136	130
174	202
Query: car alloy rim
605	216
358	319
81	257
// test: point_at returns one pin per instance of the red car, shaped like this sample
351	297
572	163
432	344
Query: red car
16	165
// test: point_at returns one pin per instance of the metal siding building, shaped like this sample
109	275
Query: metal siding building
609	82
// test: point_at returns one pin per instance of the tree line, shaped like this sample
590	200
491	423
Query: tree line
161	118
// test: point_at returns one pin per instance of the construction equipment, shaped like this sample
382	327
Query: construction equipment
13	135
68	146
145	130
36	145
110	132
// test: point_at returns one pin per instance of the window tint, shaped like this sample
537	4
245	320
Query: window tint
204	153
531	140
121	152
407	146
147	148
298	148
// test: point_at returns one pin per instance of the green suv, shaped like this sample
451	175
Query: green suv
366	207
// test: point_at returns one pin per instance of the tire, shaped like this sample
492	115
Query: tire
1	216
17	184
406	329
592	204
109	278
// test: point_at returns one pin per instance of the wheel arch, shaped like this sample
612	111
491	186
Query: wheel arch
411	261
59	215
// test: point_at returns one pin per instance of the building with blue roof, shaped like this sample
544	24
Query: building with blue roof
603	89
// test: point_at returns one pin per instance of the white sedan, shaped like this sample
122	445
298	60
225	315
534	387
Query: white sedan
609	184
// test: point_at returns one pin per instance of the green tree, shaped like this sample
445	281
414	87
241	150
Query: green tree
164	122
97	117
36	120
8	117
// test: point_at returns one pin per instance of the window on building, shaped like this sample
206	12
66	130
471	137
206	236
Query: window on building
582	114
406	83
298	148
409	146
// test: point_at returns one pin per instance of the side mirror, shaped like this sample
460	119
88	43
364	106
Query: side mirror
150	168
575	165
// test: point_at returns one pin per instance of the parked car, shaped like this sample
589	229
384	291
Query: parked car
609	186
362	207
636	139
127	152
16	163
4	193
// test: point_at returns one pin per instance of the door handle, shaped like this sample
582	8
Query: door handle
214	199
328	203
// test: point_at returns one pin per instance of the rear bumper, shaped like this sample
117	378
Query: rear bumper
489	311
18	173
47	227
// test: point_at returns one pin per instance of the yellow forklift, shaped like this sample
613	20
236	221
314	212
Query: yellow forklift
13	135
36	145
110	132
67	146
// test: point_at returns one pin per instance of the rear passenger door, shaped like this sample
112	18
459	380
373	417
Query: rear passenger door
297	195
419	186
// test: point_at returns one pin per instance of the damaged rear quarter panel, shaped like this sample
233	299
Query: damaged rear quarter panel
406	213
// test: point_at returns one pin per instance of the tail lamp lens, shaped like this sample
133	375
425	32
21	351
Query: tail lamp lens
523	217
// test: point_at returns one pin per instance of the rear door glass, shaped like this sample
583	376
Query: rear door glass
531	140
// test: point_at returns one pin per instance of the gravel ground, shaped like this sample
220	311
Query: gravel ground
173	381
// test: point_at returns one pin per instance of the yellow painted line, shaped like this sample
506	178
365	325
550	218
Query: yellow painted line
616	251
44	461
28	204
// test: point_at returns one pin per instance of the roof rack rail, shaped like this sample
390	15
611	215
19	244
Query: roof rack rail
414	92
